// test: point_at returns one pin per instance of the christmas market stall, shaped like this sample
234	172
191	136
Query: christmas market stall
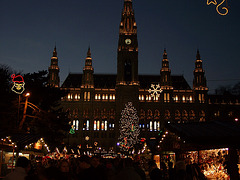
212	145
7	157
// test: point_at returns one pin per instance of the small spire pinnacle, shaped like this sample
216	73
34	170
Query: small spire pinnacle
165	54
55	51
89	52
198	55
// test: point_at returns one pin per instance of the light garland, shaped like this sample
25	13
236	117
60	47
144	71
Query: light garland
40	142
218	5
129	128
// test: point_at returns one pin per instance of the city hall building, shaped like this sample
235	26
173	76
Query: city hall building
95	101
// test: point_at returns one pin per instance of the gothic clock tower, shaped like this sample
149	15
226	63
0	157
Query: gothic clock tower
127	84
127	60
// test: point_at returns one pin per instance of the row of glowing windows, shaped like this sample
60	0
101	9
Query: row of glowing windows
103	125
152	126
87	96
97	125
166	97
105	96
141	97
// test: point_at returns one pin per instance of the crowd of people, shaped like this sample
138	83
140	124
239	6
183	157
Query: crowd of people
95	167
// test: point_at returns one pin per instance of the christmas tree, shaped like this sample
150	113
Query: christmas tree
129	128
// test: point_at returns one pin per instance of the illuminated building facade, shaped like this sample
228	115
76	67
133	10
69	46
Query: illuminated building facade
95	101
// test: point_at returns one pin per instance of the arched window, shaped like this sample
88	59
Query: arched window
178	116
167	115
184	116
192	115
202	116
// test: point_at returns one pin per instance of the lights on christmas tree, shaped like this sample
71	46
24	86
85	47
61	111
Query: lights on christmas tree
129	128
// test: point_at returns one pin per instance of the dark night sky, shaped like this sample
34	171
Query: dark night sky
30	28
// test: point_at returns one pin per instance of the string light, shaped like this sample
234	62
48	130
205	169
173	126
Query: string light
129	128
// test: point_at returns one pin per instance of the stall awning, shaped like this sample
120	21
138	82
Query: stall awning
212	133
24	139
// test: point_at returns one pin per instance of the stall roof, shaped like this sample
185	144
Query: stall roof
212	133
23	139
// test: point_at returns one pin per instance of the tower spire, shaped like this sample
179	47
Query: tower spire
199	81
127	68
55	51
53	70
165	71
89	52
87	78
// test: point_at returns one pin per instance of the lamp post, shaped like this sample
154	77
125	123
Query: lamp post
24	111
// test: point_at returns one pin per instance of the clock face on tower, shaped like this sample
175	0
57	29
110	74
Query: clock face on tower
128	41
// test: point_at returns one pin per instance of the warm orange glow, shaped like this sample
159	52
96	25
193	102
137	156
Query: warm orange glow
27	94
223	8
211	2
217	8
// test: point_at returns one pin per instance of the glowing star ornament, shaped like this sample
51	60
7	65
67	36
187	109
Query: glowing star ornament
129	128
211	1
18	84
155	90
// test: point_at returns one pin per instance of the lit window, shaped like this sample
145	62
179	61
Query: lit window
151	126
155	126
88	96
105	125
98	125
102	125
183	98
74	124
190	98
96	96
70	96
110	97
103	97
95	125
87	125
77	125
158	126
114	97
106	96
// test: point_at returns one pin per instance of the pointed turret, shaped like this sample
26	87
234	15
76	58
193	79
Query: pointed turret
53	70
87	78
55	51
165	71
166	80
199	81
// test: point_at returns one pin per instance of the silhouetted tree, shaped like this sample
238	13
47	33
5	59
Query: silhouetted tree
50	122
